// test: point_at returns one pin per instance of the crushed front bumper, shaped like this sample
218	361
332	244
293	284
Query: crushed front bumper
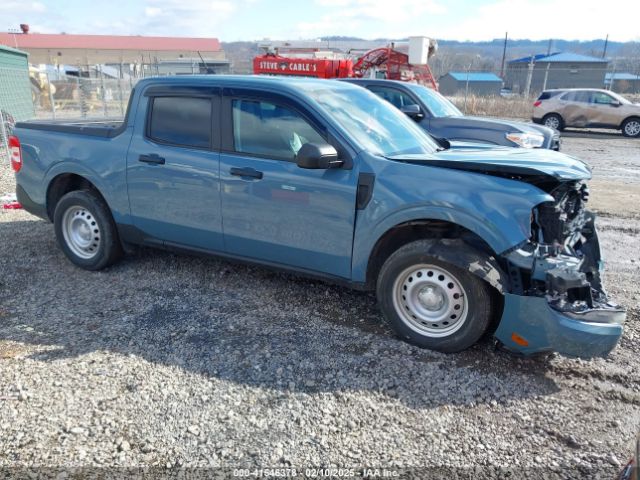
557	302
529	326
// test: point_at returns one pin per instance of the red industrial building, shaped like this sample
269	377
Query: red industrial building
186	55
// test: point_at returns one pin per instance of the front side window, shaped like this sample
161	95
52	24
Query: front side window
601	98
436	103
393	96
270	130
183	121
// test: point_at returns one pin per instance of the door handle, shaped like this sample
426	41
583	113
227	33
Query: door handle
246	172
152	158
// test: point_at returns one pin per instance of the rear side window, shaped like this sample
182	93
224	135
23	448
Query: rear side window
270	130
577	96
182	121
548	95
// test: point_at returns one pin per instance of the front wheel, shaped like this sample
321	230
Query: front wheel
85	230
432	303
631	127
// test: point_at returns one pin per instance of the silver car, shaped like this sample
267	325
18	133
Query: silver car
584	108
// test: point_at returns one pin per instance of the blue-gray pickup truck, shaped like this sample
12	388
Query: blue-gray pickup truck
328	180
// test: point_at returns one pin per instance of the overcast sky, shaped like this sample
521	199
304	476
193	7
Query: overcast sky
231	20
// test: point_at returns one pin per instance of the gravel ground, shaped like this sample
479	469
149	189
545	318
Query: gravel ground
174	361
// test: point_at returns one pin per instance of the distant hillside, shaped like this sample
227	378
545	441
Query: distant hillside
476	56
588	47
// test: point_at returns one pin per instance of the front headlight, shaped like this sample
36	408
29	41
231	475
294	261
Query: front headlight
526	140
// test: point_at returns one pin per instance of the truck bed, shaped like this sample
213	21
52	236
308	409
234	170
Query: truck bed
95	128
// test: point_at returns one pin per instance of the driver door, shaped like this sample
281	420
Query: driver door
274	211
604	111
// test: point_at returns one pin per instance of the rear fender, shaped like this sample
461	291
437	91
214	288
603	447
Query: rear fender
117	201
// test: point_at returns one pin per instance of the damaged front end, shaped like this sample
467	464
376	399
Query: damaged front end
556	301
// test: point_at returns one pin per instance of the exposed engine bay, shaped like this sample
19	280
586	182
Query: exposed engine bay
562	260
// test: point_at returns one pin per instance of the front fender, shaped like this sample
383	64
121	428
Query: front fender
497	210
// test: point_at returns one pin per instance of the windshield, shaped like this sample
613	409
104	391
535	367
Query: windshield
376	124
436	103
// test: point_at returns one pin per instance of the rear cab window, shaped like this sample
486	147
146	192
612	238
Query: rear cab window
180	121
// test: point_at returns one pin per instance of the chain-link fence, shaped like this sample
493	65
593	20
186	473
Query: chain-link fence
66	96
15	101
31	94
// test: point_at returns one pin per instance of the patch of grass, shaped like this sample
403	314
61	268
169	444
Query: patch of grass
495	106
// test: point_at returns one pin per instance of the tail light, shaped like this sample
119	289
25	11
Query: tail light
15	153
537	103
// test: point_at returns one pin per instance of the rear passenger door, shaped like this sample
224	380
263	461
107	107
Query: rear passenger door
576	108
173	168
274	211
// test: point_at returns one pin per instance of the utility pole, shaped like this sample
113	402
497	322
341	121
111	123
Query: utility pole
527	88
613	77
504	54
546	76
466	88
549	47
606	43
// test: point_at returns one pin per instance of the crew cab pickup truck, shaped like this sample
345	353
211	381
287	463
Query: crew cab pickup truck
328	180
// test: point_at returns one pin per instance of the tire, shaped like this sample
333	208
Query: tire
85	230
553	120
631	127
431	303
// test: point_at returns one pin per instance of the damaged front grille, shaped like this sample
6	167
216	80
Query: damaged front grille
556	223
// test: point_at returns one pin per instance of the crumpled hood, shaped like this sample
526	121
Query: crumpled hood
517	163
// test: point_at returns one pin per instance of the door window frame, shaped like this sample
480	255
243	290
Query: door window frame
227	144
209	93
301	115
395	90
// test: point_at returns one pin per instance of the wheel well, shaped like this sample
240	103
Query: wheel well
632	117
404	233
63	184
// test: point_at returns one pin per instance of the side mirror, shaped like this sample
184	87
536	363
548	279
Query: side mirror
412	111
615	103
317	156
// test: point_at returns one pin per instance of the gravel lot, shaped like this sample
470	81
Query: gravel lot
175	361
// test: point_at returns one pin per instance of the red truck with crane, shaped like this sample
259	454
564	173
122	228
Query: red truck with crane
388	62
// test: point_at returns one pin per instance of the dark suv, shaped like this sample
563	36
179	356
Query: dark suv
442	119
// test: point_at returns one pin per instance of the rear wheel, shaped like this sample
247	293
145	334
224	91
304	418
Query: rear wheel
86	231
631	127
553	120
432	303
